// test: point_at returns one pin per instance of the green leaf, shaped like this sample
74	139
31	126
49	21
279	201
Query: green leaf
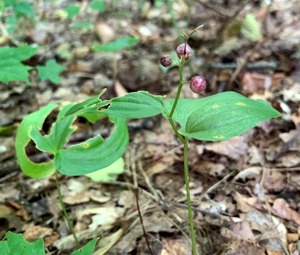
220	117
51	71
251	28
108	173
91	104
119	44
33	120
87	249
133	105
72	10
95	153
98	5
23	8
15	244
11	68
58	135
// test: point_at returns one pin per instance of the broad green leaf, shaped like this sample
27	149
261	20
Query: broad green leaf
23	8
95	153
98	5
35	119
251	28
119	44
51	71
15	244
134	105
109	173
220	117
11	68
72	10
87	249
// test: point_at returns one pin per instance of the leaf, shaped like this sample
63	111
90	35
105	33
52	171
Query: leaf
15	244
11	68
98	5
72	10
108	173
251	29
86	249
93	103
133	105
95	153
119	44
51	71
83	25
220	117
35	119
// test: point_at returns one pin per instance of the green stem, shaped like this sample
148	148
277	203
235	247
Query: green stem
185	142
180	85
188	196
63	208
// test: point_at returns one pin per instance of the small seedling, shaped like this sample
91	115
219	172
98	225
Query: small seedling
214	118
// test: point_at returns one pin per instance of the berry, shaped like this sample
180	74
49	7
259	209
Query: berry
184	51
197	84
165	61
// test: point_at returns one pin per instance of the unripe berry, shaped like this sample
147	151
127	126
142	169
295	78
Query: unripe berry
197	84
184	51
165	61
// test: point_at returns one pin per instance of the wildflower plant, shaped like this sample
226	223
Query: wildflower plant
214	118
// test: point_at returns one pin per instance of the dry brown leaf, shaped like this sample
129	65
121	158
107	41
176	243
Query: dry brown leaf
233	148
282	209
33	233
176	247
211	168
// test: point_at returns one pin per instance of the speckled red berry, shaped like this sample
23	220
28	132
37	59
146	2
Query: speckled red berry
165	61
184	51
197	84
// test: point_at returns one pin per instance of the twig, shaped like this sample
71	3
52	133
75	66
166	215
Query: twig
141	220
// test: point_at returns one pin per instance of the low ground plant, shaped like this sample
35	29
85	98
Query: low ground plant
214	118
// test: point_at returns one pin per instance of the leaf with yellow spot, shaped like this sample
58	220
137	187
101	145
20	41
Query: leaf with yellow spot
220	117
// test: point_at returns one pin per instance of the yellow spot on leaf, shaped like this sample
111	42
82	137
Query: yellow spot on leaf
85	145
240	104
215	106
219	136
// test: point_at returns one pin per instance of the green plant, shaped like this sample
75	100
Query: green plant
215	118
16	244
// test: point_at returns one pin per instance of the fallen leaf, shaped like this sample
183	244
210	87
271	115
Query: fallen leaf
282	209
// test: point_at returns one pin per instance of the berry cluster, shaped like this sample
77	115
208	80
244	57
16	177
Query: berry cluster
184	52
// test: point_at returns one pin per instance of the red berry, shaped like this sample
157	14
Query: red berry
165	61
184	51
197	84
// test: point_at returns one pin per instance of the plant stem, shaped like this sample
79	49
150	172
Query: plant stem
63	208
180	85
188	196
185	142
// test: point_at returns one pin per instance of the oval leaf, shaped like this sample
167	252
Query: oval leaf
135	105
220	117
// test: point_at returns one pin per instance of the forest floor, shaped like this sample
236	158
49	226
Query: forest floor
245	191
